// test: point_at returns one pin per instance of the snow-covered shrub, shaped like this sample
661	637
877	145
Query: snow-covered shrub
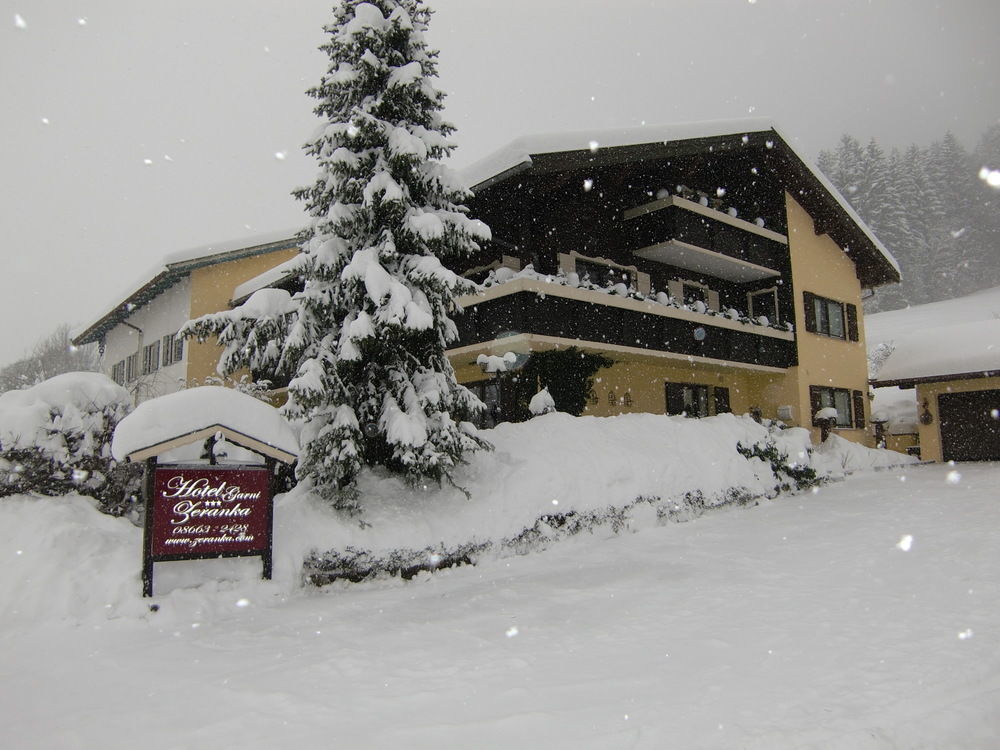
541	403
568	374
55	438
790	475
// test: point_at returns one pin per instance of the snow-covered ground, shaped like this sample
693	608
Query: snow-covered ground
861	615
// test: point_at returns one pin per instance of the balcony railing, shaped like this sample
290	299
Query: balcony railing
685	234
532	307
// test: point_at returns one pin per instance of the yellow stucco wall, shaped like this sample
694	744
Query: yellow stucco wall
901	443
821	267
211	291
644	379
930	434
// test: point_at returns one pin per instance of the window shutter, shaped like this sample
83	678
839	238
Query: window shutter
809	300
852	322
675	398
859	409
713	300
814	403
721	398
675	288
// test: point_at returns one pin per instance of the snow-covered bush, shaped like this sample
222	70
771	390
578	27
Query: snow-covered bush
790	475
55	438
541	403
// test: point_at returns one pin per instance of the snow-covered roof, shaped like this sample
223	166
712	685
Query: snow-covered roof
520	150
941	352
195	414
952	337
270	277
888	326
516	157
174	267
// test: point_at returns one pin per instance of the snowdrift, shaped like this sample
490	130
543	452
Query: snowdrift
545	479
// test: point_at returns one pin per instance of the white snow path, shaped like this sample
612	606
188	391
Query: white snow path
800	623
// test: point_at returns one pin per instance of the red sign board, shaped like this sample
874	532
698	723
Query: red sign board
210	512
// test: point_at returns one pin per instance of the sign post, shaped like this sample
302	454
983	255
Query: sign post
210	506
198	512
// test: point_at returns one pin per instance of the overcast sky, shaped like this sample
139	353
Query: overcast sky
132	129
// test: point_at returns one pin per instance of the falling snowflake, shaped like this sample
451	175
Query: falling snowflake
594	145
242	603
906	543
82	21
965	634
990	176
953	477
45	121
19	22
147	162
588	184
511	631
280	155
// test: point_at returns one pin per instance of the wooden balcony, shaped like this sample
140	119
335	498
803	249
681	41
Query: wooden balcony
684	234
531	309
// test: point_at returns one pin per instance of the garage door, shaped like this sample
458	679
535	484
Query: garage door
970	425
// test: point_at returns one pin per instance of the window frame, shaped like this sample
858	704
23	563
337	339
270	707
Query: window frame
131	367
822	396
818	317
118	372
711	397
171	349
151	357
772	293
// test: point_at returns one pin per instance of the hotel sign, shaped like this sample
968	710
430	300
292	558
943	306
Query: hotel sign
202	512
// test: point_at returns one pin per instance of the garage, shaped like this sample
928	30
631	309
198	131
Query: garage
970	425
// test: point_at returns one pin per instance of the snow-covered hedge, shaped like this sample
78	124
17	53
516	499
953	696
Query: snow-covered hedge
559	476
55	438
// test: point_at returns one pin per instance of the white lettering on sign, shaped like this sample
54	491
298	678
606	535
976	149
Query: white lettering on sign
201	488
208	499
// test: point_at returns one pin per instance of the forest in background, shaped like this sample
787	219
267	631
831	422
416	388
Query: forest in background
931	207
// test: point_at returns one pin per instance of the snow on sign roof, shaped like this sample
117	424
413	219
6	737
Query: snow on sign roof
189	416
174	267
942	352
517	156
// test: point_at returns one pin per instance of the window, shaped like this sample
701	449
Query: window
850	405
695	293
694	400
173	349
831	318
131	367
690	293
603	274
487	391
118	372
764	303
720	396
151	357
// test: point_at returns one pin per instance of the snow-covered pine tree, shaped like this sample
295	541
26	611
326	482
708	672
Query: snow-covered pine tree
373	385
251	335
986	207
952	178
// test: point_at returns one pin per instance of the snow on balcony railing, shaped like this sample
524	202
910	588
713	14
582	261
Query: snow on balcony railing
500	276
